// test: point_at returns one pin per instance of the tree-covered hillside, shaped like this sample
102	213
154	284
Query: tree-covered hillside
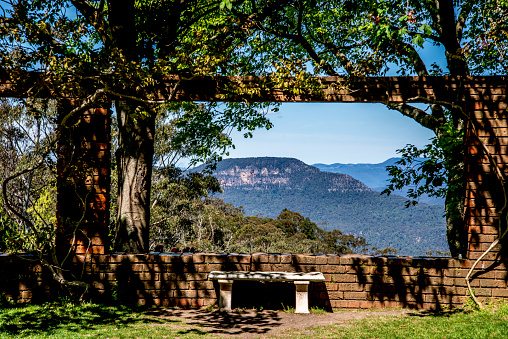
265	186
375	176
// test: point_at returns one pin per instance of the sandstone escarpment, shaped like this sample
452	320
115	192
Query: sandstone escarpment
267	173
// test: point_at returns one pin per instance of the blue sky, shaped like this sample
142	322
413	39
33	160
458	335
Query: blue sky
333	132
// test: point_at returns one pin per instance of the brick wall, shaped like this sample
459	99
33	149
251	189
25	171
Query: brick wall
83	181
351	281
486	164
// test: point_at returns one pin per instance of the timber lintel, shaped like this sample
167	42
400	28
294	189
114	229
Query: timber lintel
276	89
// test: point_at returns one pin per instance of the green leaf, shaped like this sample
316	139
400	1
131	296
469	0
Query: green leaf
426	29
402	31
225	3
418	40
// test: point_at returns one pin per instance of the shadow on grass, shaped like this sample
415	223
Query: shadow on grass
51	317
438	313
228	323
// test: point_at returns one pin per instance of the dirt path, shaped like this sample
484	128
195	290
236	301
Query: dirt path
253	324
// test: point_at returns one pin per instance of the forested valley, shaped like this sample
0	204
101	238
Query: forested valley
266	185
187	218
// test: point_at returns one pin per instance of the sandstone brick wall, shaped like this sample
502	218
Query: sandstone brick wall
351	281
83	166
486	168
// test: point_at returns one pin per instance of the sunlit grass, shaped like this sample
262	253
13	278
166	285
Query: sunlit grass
488	323
68	320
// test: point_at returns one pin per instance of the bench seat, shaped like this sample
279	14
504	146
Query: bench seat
300	279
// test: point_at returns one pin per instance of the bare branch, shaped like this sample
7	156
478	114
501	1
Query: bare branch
87	104
461	19
6	198
409	51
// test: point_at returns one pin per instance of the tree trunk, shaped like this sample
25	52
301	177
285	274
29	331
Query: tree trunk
134	161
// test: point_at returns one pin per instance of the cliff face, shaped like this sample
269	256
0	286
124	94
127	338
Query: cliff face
268	173
251	177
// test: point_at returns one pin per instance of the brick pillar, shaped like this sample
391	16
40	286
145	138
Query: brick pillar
484	197
83	182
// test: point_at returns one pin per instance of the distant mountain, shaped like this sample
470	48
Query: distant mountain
374	176
266	186
269	173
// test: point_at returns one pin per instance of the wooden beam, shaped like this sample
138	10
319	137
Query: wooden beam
314	89
336	89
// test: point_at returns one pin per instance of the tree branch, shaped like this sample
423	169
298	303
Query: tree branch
461	19
95	18
426	120
27	221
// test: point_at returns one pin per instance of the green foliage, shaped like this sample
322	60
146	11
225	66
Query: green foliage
225	3
10	239
27	210
201	132
317	310
486	39
385	251
288	309
184	218
438	253
383	221
361	38
429	170
180	218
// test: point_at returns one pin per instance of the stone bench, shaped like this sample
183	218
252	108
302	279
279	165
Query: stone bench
301	281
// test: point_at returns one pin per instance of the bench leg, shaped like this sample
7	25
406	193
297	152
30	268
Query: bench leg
302	297
226	289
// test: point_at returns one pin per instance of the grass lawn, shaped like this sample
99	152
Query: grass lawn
89	321
67	320
488	323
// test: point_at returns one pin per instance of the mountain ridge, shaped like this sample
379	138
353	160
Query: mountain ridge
375	177
265	186
284	172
